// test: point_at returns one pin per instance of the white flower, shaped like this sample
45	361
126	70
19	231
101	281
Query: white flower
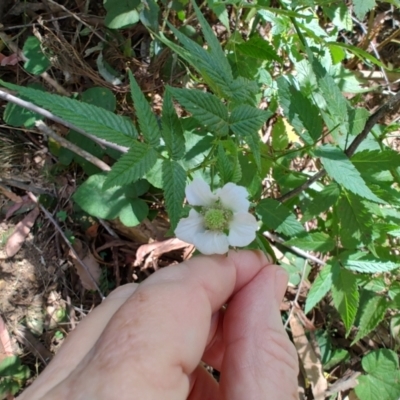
222	219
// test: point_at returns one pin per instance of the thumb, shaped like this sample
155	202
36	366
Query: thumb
259	362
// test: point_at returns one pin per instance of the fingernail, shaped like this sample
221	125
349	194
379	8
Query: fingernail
281	281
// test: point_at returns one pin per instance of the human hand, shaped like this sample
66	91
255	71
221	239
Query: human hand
146	341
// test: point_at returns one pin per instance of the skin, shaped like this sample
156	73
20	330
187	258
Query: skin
146	341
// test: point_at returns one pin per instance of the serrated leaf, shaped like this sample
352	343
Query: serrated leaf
174	182
361	7
336	103
275	216
328	196
345	296
357	119
301	113
340	168
211	39
383	376
376	160
224	165
101	97
246	119
205	107
363	262
147	120
215	73
319	288
313	241
36	62
172	131
280	139
132	166
259	48
94	120
354	221
371	315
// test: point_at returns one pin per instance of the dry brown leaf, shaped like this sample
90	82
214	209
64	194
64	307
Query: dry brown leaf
17	238
311	364
89	261
157	249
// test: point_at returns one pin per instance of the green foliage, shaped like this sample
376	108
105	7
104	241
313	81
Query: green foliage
174	181
121	14
320	287
382	376
345	295
266	112
110	203
12	376
36	62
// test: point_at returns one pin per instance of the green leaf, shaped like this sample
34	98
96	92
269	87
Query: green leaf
215	72
364	55
110	203
205	107
132	165
246	119
376	160
149	15
363	262
322	200
345	296
95	120
215	47
9	366
320	288
280	139
134	212
121	13
174	182
354	221
361	7
275	216
257	47
302	114
336	103
313	241
172	131
147	120
100	97
224	165
371	315
383	376
340	168
36	62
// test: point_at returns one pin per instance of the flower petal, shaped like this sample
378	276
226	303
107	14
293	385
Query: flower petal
189	227
210	242
234	197
198	193
242	229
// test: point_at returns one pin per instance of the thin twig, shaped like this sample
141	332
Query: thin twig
47	114
295	249
54	222
70	146
10	44
23	186
78	19
294	302
372	120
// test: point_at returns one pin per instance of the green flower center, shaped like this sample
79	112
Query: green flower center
217	219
